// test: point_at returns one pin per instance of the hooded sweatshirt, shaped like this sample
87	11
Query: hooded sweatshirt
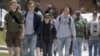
62	27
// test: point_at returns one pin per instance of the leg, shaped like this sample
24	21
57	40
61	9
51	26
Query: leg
14	51
85	45
71	46
44	49
10	51
24	50
75	48
99	49
32	46
21	49
17	51
38	47
90	47
79	46
96	47
67	45
54	48
38	51
60	46
49	49
9	42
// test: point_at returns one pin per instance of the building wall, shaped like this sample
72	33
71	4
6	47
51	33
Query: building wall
88	4
74	4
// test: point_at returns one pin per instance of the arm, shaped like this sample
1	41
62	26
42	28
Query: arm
57	23
85	35
4	31
73	29
5	27
39	25
22	25
54	32
88	30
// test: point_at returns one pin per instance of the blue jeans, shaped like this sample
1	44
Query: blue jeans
77	47
90	47
99	49
61	42
29	42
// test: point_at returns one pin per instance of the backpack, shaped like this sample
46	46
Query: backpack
80	28
60	21
94	28
69	25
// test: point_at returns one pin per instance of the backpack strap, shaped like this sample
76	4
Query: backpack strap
60	21
69	21
14	17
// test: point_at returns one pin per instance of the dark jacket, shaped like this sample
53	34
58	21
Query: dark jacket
36	22
48	32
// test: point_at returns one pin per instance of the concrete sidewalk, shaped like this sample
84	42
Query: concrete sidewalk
3	49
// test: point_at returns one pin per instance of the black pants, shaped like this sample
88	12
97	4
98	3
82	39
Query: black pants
71	46
47	49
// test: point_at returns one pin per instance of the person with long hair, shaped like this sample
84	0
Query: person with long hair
65	31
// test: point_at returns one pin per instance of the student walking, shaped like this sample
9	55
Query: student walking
65	30
32	29
48	35
80	33
93	33
14	28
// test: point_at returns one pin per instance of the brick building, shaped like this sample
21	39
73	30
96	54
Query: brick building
74	4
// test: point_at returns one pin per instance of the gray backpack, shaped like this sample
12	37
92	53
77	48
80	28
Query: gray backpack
94	28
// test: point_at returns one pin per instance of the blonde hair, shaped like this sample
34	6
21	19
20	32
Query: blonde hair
31	3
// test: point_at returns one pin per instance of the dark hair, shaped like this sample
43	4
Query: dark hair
78	13
94	13
70	10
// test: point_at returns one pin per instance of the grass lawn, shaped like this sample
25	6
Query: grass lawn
2	42
3	54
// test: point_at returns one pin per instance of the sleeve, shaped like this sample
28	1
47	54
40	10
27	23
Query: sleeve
54	32
88	29
57	23
39	25
85	30
73	29
21	18
6	19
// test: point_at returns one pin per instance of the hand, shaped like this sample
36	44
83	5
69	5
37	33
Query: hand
73	39
22	35
85	41
4	35
54	40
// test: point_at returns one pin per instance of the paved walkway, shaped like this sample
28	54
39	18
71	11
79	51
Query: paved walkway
3	49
